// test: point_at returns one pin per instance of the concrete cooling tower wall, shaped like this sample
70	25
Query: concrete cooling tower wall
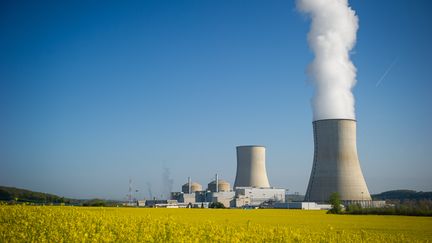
336	167
251	169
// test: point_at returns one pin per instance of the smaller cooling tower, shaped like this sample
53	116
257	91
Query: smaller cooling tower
251	170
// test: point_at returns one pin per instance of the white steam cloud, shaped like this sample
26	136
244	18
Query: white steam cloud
331	37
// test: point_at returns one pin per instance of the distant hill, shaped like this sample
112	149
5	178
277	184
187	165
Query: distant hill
23	195
403	195
12	194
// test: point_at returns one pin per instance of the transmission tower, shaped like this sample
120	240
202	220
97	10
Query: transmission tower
130	192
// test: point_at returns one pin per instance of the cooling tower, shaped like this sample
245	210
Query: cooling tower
251	170
336	167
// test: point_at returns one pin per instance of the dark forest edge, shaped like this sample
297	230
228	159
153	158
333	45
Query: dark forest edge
402	195
12	195
398	202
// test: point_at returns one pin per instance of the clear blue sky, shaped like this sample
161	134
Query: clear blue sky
94	93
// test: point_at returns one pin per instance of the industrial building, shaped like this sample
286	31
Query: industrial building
222	197
218	185
220	191
217	191
336	167
302	205
256	196
191	187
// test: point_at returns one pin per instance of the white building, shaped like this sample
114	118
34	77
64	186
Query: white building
223	197
303	205
254	196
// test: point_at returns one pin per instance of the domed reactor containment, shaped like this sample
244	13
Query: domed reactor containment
336	167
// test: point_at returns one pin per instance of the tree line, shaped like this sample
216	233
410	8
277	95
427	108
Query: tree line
408	207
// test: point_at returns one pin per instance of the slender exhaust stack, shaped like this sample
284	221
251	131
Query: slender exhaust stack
190	185
251	170
217	182
336	167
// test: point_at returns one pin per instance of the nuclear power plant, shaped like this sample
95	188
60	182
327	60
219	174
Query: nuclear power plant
251	187
336	167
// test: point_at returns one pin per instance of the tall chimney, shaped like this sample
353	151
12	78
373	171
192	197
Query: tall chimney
336	167
251	169
217	182
190	185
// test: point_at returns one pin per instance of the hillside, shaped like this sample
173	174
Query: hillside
403	195
12	194
23	195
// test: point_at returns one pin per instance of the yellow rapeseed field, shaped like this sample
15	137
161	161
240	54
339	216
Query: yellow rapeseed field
83	224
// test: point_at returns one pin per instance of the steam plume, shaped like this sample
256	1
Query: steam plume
331	37
167	183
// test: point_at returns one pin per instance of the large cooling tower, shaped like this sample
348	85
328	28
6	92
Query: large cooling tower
251	170
336	167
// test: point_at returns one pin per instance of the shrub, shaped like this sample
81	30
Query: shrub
336	203
216	205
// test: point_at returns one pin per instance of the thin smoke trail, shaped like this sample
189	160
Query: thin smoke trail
167	183
386	72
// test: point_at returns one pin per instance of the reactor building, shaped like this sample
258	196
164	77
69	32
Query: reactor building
336	167
191	187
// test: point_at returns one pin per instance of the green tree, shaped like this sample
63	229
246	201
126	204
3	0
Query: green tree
95	203
335	203
216	205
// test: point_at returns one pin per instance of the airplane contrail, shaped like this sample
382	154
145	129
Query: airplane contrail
386	72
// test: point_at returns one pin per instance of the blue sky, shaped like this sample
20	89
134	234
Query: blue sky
94	93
